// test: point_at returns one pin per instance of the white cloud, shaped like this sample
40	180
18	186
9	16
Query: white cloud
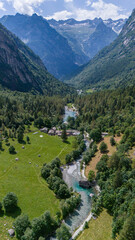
88	3
98	9
107	10
26	6
62	15
68	1
2	6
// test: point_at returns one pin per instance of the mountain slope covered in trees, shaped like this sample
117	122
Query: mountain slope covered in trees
48	44
114	66
22	70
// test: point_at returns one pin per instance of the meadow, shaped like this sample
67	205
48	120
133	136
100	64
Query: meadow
23	176
99	229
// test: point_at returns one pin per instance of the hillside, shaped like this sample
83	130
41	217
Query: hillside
80	34
22	70
114	66
48	44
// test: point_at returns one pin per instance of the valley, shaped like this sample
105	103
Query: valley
67	125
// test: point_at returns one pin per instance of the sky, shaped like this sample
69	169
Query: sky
64	9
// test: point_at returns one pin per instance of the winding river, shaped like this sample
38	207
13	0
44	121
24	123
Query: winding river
72	175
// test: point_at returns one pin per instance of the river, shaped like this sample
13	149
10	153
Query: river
69	113
72	175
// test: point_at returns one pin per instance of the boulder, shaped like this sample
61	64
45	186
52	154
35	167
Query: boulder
84	184
11	232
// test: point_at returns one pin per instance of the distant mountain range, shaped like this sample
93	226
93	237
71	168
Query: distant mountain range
63	45
87	37
112	67
22	70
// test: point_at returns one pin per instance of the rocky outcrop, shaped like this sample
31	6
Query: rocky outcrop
86	184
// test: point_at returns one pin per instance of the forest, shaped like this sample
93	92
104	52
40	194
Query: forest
111	111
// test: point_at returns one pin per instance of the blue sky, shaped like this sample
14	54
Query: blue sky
64	9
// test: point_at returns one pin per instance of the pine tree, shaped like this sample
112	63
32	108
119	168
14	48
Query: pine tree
64	134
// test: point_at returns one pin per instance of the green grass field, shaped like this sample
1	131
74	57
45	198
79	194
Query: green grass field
99	229
23	177
90	91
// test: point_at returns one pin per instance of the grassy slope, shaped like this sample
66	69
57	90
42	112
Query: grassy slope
99	229
24	179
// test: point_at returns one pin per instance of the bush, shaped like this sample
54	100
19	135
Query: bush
103	147
63	233
0	206
112	141
68	158
12	150
95	134
91	176
10	202
21	224
86	225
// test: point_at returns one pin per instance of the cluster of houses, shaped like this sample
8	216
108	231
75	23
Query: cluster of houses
53	131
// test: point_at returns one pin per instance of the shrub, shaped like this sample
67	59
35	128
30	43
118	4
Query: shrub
21	224
0	206
10	202
63	233
91	176
103	147
12	150
112	141
86	225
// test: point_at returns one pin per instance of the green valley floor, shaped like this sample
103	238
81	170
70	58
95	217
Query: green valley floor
23	176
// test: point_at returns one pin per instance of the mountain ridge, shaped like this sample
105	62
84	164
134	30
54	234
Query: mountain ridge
80	33
22	70
113	66
45	41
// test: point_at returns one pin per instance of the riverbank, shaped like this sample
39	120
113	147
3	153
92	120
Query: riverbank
89	217
98	229
72	174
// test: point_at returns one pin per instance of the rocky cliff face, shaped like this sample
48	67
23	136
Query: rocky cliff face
101	38
87	37
22	70
52	48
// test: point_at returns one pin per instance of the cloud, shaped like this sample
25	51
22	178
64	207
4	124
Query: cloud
98	9
68	1
2	6
106	10
62	15
88	2
26	6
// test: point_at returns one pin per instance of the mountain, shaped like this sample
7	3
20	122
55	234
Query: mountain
51	47
115	25
22	70
114	66
81	35
101	38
